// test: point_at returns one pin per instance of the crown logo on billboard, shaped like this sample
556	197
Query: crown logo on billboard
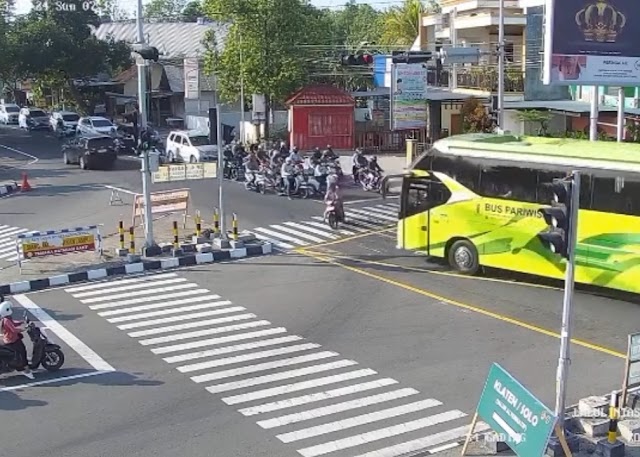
601	22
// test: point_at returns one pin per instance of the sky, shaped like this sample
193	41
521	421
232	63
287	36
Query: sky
23	6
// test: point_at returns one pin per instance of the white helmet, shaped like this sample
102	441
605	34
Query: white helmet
5	309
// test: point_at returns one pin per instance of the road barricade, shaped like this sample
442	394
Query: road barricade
32	245
163	203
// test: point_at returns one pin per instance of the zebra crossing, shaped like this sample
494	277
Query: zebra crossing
310	397
8	251
291	235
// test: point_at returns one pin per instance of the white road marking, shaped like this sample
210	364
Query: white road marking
304	385
139	293
326	395
388	432
249	382
182	317
336	408
159	298
109	284
263	366
298	233
34	159
230	349
282	236
65	335
247	357
55	380
198	333
167	304
168	312
215	341
306	228
351	227
340	231
276	243
190	325
144	285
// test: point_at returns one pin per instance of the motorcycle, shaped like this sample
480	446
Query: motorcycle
303	187
370	180
268	179
331	215
45	353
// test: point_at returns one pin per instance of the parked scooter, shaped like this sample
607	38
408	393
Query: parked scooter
45	353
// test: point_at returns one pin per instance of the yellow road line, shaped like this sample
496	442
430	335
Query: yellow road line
348	238
433	272
473	308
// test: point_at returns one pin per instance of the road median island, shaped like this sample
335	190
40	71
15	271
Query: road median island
187	249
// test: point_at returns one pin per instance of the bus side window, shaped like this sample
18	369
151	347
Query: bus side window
545	195
616	195
512	183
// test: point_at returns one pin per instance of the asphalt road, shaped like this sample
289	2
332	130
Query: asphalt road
238	355
65	196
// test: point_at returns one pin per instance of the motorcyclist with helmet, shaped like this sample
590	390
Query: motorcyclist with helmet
288	176
358	162
12	337
252	166
316	156
333	197
329	155
295	156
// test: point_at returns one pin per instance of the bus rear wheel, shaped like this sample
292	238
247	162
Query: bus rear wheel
463	257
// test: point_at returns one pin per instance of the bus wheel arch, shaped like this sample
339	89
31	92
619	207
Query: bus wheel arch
462	256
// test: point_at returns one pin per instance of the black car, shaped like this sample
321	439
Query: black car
98	151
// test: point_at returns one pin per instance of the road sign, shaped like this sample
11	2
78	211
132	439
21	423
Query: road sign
185	172
460	55
632	367
57	242
515	414
165	202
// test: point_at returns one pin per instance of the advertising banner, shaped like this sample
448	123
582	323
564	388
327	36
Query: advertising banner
165	202
592	43
409	91
191	79
58	242
185	172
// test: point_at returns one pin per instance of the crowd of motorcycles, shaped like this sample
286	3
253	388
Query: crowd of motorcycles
262	172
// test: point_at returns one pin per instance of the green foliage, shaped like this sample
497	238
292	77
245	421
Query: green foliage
163	9
192	11
541	117
355	24
400	24
475	117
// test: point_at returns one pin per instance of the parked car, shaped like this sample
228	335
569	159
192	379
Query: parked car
190	146
90	152
96	125
9	113
69	120
33	119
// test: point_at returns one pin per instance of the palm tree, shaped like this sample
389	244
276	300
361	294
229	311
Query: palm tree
401	23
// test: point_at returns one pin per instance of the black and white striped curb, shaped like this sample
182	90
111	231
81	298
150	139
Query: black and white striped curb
8	188
136	268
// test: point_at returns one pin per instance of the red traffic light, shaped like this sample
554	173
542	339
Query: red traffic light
367	59
357	60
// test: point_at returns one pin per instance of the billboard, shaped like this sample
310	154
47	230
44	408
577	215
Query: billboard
409	97
191	79
591	43
58	242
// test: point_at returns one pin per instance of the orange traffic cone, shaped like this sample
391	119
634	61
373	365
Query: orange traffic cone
25	187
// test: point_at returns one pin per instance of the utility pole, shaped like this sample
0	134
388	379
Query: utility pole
501	57
593	118
142	107
621	121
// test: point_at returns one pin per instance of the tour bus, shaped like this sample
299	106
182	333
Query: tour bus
473	200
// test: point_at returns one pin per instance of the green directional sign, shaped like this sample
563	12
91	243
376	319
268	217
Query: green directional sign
515	414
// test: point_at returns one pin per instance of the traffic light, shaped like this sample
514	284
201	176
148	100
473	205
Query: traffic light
558	217
357	60
146	52
411	56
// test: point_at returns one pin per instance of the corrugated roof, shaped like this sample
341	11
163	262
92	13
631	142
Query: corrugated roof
569	106
173	39
320	95
175	76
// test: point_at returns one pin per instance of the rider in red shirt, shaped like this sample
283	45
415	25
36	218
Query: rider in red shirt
12	337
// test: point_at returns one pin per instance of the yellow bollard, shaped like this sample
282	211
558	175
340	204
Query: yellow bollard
121	234
235	227
132	241
216	221
176	240
198	225
612	434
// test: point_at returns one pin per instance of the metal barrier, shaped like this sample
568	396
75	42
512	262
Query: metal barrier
388	141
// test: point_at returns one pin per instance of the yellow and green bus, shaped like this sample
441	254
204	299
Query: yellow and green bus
473	200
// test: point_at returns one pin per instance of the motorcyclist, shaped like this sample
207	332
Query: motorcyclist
333	197
329	155
374	166
358	162
12	337
320	172
251	167
288	176
295	156
316	156
262	155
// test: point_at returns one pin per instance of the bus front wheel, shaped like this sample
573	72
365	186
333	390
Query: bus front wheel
463	257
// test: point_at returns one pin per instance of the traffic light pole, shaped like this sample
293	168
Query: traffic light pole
142	108
565	333
501	60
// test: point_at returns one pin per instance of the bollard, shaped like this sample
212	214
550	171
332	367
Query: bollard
176	240
198	225
612	435
216	221
235	227
121	234
132	241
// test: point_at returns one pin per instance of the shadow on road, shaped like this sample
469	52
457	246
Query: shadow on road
11	401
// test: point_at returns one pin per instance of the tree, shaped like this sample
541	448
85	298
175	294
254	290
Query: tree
164	9
111	10
192	11
266	44
400	25
536	116
475	117
355	24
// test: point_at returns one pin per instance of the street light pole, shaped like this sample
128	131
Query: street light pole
242	136
501	57
142	107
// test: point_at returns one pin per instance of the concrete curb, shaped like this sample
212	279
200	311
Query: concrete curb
136	268
8	188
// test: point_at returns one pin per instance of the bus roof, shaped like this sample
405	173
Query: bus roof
590	154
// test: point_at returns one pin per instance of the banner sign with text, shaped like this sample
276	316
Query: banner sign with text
58	242
165	202
409	97
185	172
592	43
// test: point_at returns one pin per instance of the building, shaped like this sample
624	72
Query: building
177	42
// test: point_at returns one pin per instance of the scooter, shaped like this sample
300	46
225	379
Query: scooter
45	353
331	215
